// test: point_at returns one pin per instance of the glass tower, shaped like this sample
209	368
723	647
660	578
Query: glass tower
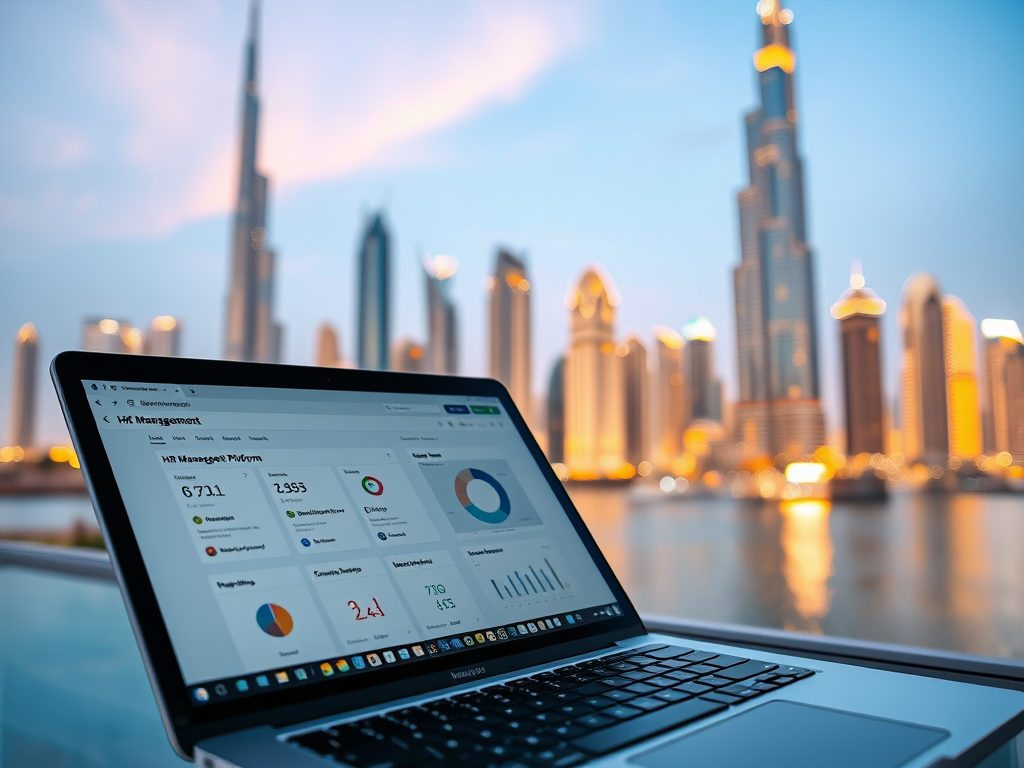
23	402
779	410
252	333
374	296
442	325
510	328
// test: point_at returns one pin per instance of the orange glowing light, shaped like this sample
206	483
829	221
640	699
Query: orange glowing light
775	55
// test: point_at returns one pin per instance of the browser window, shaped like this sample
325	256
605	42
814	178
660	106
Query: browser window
294	535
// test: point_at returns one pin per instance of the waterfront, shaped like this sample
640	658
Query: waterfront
940	571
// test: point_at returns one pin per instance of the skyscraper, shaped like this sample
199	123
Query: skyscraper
636	393
252	333
408	357
670	396
163	338
23	399
779	410
703	388
1004	387
442	326
108	335
594	428
328	350
962	401
510	345
556	413
374	281
925	420
858	311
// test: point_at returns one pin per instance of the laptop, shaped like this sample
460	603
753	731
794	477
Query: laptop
381	570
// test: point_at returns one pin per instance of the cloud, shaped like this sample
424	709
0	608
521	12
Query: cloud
343	88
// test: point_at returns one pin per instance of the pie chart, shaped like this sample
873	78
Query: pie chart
482	496
274	620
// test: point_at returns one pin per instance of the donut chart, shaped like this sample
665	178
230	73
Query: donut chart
274	620
490	516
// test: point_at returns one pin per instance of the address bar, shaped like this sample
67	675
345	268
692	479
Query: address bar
241	421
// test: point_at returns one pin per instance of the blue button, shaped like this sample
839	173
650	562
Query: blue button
457	408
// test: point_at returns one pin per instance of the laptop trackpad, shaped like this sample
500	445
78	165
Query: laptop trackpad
791	735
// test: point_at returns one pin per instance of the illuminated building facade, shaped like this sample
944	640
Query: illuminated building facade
704	390
556	413
252	333
510	328
670	396
109	335
1004	387
924	422
23	400
408	357
373	322
594	413
962	401
328	348
636	394
163	337
779	410
859	311
442	326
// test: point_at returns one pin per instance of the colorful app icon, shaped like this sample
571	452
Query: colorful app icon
197	520
201	694
389	657
300	673
432	648
281	677
342	665
382	536
358	663
220	689
502	634
372	485
262	681
480	637
374	659
491	636
512	631
548	622
241	686
417	650
457	644
327	669
531	626
444	645
289	513
558	621
211	551
403	653
468	640
521	628
569	618
305	542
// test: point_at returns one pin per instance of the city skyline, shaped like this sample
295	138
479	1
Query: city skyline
697	286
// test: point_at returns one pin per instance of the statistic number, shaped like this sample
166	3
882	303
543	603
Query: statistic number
372	610
290	487
199	491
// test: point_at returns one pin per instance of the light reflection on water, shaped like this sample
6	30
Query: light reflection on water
935	571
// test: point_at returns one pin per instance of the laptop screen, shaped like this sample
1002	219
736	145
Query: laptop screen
295	536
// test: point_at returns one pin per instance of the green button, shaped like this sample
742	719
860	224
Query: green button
491	409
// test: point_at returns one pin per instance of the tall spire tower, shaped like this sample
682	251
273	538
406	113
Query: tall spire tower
252	333
779	411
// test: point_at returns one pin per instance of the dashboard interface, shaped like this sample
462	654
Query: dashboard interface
297	535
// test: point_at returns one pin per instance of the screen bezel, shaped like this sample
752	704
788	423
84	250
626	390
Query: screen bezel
185	723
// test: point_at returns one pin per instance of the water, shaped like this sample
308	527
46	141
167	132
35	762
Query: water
44	513
935	571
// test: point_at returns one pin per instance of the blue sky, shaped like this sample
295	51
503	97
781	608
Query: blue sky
574	132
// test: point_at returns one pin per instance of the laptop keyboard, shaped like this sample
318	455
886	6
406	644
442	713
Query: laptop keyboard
556	718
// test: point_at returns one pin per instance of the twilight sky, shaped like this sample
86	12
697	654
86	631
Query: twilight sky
574	132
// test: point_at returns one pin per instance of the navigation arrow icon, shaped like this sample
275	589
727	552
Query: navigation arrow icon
99	402
106	419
